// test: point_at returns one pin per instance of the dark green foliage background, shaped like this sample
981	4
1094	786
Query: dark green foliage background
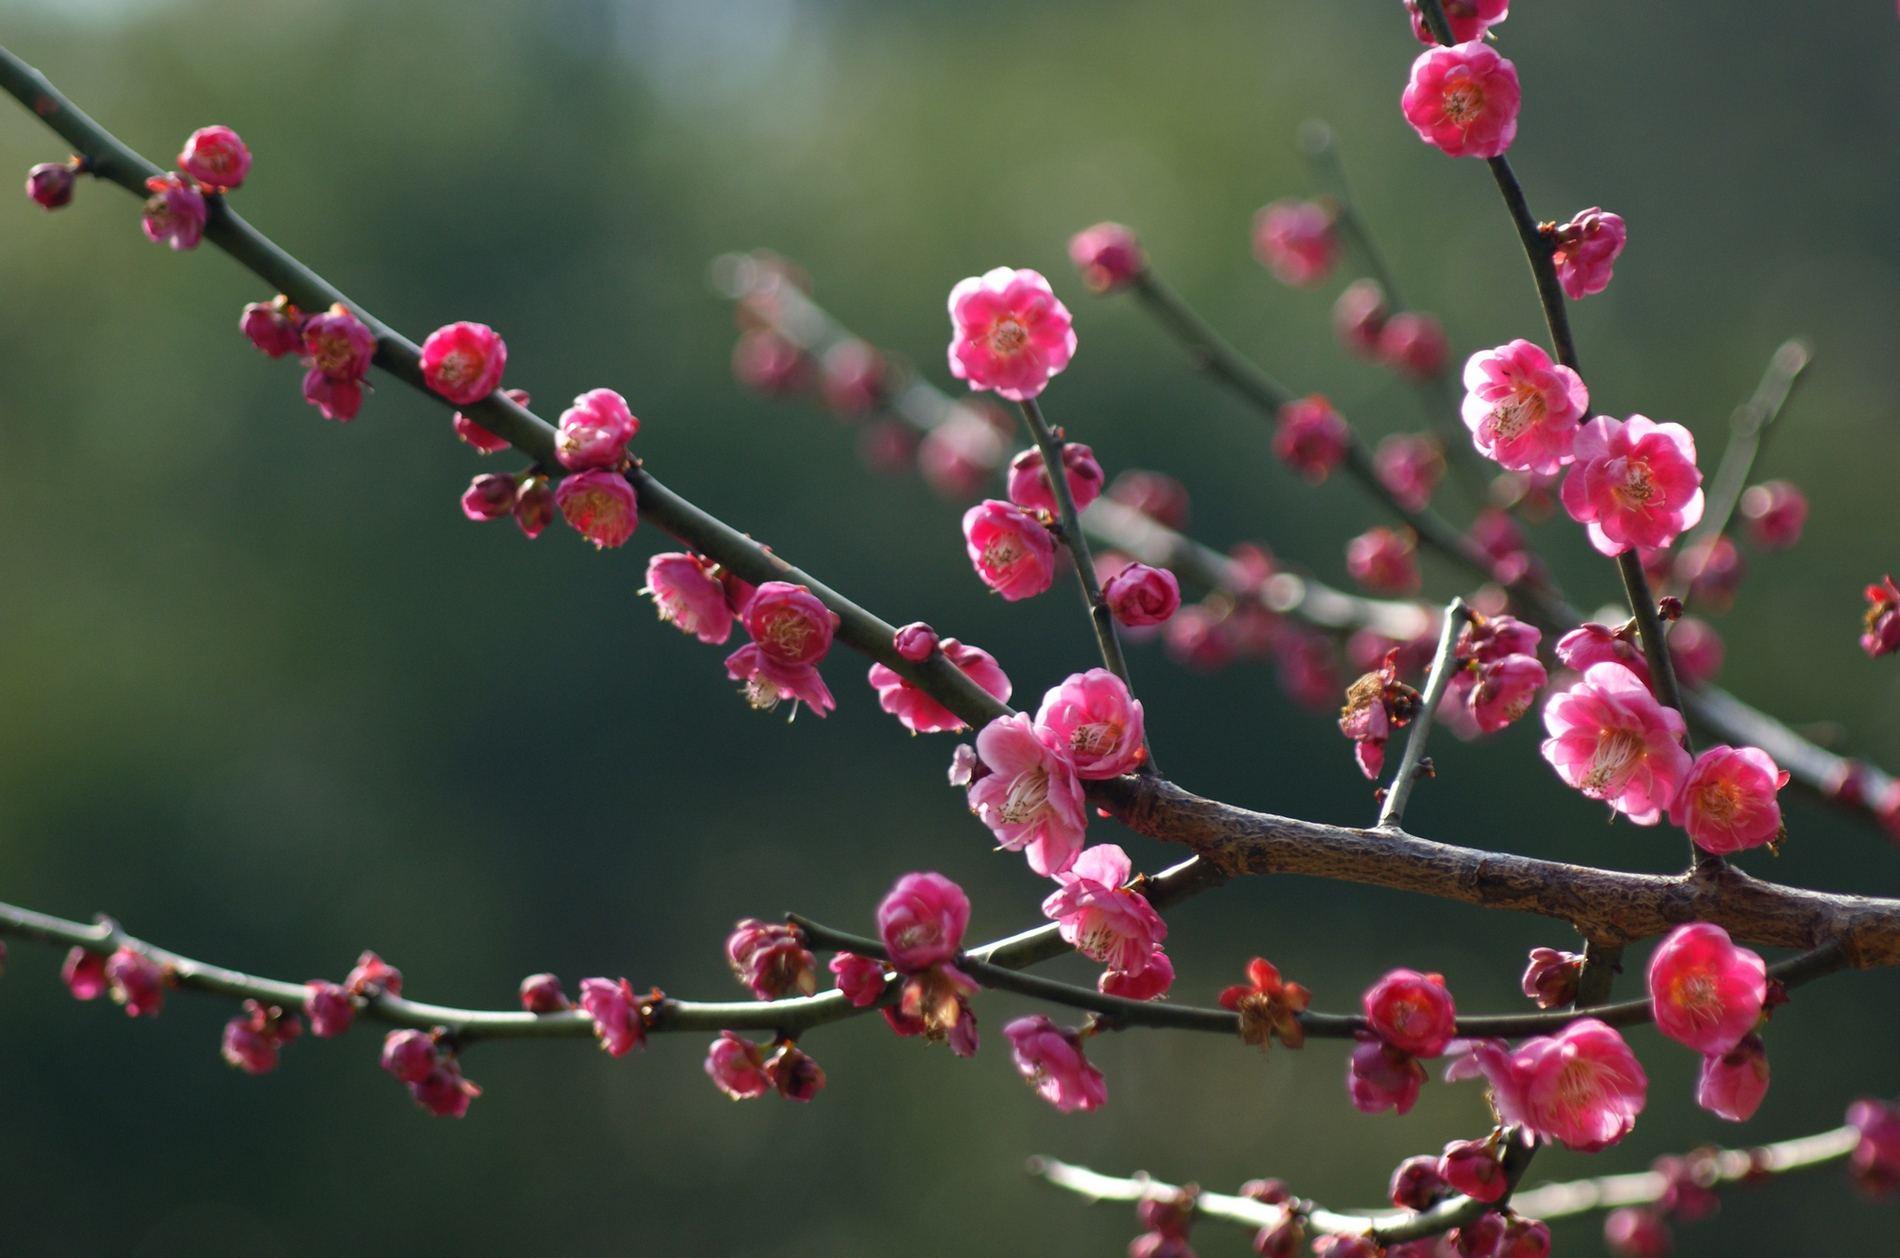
270	700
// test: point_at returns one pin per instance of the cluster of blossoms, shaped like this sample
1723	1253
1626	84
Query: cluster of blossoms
214	161
1712	996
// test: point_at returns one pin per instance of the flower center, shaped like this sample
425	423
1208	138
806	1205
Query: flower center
1463	103
1617	753
1720	802
786	635
1696	996
1635	488
1000	554
1008	336
457	367
1097	937
1027	796
1523	408
1095	738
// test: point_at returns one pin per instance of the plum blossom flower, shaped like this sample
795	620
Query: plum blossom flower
329	1008
1376	704
473	434
372	976
1732	1084
1504	690
737	1067
1051	1061
1585	251
1469	19
594	432
1704	991
1522	408
790	624
1380	1077
1359	316
921	921
1551	977
1153	981
618	1015
1875	1161
921	714
1296	240
542	993
1029	486
1009	333
1269	1006
489	497
1727	803
1463	100
1610	739
1472	1167
1634	483
601	506
252	1039
1409	465
443	1092
769	683
1412	1012
861	979
1107	255
1414	344
916	642
1882	619
1776	511
1102	918
771	959
1031	799
1139	595
1100	722
1593	643
1416	1183
1384	560
136	982
1310	437
1581	1087
1010	549
534	506
688	596
49	185
275	327
793	1072
84	974
958	455
409	1056
175	213
216	157
463	362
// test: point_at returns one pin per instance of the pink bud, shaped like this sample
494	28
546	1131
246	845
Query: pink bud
135	981
339	400
861	979
489	497
1108	255
600	505
1345	1247
1776	511
737	1067
541	993
1155	494
1380	1077
915	641
216	157
1282	1239
1524	1238
1636	1232
1310	437
1882	619
409	1055
1471	1167
1505	690
373	977
1875	1161
796	1076
1010	549
1469	19
1416	1183
463	362
1551	977
444	1092
688	597
251	1039
1412	1012
272	326
1384	560
1051	1061
1414	344
534	506
175	213
1463	100
49	185
1732	1084
1296	240
1029	486
1140	595
84	974
1009	333
922	920
594	432
619	1021
1704	991
853	378
771	959
1480	1238
1585	251
1359	317
1409	465
329	1007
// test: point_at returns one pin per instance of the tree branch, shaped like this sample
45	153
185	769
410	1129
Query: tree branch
1392	812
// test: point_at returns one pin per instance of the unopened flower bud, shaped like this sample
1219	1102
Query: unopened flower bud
50	184
409	1055
541	993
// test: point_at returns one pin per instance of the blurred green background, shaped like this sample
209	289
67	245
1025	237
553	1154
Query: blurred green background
270	700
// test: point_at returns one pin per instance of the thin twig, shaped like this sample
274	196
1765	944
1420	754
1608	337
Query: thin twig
1444	663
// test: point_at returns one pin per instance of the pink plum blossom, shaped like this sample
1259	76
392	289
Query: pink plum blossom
339	400
1139	595
1504	690
274	327
1634	483
463	362
791	625
1412	1012
1107	255
1384	560
1359	317
1031	799
1882	619
1875	1161
601	506
409	1056
1297	241
542	993
1469	19
1727	804
216	157
329	1007
1416	1183
1581	1087
1009	333
372	976
443	1092
737	1067
921	714
1732	1084
1095	716
619	1020
921	921
688	597
1551	977
84	974
252	1039
1380	1077
958	455
1029	486
1153	981
1011	551
489	497
769	683
1776	511
1610	739
1051	1061
1472	1167
771	959
916	642
1704	991
175	213
861	979
338	344
1593	643
1310	437
793	1072
1414	344
136	982
1409	465
1585	251
594	432
1102	918
1463	100
49	185
534	506
1522	408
